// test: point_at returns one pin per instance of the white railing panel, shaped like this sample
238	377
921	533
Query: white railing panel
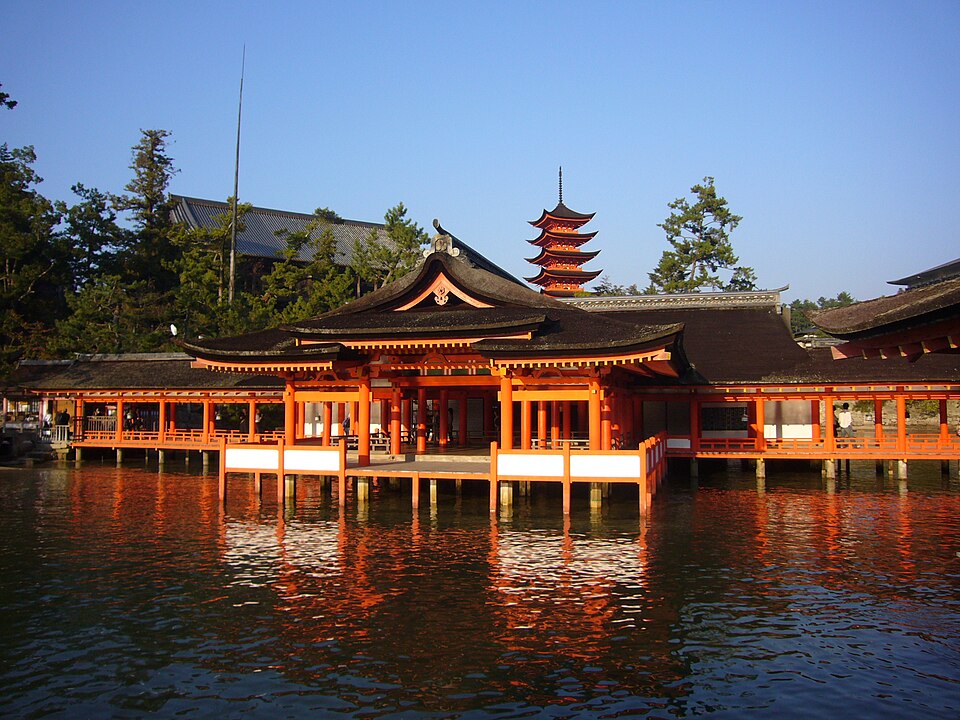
605	466
530	465
252	459
311	460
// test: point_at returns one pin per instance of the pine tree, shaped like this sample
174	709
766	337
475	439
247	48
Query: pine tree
700	236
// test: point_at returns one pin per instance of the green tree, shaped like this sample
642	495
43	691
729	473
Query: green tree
799	310
5	100
91	234
110	314
33	270
606	287
699	233
307	281
149	252
377	262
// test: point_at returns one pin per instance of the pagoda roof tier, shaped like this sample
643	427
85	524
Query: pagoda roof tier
578	276
561	213
577	256
450	303
574	238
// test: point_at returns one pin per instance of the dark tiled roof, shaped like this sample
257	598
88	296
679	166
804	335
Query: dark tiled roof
940	272
581	255
139	371
820	367
259	236
892	312
556	326
735	345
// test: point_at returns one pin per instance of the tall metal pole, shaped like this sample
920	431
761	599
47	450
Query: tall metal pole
236	187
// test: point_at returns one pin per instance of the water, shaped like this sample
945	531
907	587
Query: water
126	593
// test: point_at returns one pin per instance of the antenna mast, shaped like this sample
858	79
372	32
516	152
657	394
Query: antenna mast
236	187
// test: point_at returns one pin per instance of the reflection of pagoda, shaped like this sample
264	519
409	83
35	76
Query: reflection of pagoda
560	256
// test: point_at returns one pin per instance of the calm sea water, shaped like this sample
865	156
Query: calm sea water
127	592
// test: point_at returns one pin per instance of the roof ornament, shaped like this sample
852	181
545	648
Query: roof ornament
561	184
442	242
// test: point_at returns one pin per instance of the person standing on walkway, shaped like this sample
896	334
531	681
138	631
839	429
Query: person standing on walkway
845	421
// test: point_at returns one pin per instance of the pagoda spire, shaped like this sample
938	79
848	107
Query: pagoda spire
560	255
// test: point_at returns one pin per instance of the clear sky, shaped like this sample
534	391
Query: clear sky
831	127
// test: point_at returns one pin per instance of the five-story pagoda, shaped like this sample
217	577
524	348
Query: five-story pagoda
560	255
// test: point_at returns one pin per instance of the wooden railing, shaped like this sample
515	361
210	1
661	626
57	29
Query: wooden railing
917	445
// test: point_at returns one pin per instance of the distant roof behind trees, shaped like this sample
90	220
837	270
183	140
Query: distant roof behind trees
263	231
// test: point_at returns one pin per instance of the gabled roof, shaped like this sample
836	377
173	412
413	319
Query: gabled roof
446	298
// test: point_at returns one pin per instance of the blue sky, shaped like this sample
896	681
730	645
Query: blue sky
831	127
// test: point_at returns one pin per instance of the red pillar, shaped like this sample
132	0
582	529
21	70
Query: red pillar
542	422
901	423
444	417
878	419
327	421
162	420
487	416
595	415
526	420
944	428
761	424
506	412
421	420
554	424
363	423
462	406
119	428
405	404
815	418
567	409
289	415
830	443
207	420
694	425
605	423
395	405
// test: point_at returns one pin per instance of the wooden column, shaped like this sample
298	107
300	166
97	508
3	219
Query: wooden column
341	414
878	419
405	413
395	406
363	423
605	424
901	422
289	415
526	421
830	438
119	428
163	421
444	424
542	423
207	418
761	424
488	428
554	424
354	417
944	428
462	429
386	415
596	441
421	421
567	410
815	418
506	412
694	425
327	421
